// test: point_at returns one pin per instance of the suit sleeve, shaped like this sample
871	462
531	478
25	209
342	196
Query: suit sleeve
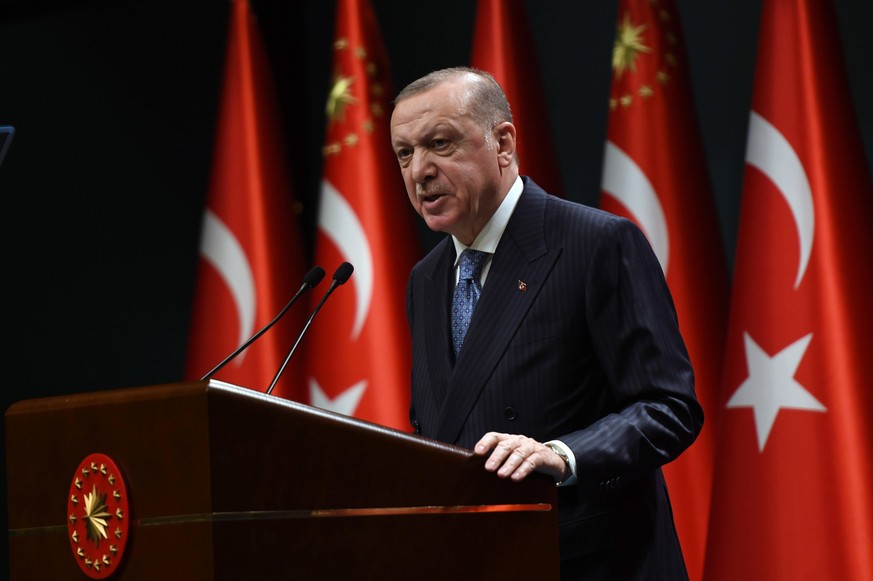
646	366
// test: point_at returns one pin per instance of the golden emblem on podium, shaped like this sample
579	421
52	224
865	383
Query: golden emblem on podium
98	516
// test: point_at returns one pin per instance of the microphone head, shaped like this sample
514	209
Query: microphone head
343	273
314	276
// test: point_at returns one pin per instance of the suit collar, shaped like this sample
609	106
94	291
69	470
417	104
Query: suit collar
439	274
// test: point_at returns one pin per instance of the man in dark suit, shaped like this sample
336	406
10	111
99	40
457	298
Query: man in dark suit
572	364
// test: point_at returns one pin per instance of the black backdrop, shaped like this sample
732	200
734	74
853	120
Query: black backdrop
114	103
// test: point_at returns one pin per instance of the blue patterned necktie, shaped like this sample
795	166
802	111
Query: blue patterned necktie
466	294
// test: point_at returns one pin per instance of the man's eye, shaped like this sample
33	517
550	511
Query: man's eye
439	143
403	153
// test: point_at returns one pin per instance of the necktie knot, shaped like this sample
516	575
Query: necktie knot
471	264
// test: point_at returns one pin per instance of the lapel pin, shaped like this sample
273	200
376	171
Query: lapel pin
522	286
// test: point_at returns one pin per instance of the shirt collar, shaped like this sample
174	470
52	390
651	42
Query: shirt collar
490	235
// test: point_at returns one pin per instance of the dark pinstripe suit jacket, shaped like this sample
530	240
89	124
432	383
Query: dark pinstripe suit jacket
574	338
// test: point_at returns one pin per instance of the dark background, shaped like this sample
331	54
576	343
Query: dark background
114	105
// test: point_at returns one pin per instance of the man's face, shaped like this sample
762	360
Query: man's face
454	179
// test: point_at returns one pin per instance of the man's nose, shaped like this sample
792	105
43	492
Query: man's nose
422	167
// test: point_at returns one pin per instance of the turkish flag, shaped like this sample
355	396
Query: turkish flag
251	255
793	495
655	174
504	46
358	352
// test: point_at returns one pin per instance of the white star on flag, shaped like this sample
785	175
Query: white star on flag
771	385
345	402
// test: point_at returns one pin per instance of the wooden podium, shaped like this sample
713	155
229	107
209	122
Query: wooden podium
228	483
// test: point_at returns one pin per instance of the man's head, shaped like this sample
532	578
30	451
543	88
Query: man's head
453	136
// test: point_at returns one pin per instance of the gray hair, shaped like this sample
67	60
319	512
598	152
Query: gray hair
485	100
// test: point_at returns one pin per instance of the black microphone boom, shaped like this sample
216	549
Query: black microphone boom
312	278
342	274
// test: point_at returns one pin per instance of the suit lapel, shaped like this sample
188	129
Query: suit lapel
437	293
519	268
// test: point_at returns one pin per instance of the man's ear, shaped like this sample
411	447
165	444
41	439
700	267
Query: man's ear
505	137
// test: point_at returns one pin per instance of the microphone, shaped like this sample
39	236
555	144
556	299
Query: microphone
312	278
342	274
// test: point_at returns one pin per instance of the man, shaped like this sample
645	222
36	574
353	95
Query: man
572	364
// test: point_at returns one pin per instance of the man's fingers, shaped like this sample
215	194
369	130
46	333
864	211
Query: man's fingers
486	442
517	466
511	456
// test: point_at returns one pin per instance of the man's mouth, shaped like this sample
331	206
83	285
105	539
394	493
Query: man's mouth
430	195
427	198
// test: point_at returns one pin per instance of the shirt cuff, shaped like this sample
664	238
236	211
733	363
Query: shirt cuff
571	478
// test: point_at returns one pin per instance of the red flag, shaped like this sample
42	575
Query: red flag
504	46
793	495
655	174
250	252
359	356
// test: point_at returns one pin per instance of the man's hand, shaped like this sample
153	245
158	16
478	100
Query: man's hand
515	456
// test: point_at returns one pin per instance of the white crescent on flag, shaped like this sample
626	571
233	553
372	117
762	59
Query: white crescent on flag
770	152
222	249
338	220
625	181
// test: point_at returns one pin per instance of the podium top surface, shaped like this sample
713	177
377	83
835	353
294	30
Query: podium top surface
209	446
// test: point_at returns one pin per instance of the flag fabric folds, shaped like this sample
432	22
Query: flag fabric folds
250	252
503	45
358	350
655	174
793	495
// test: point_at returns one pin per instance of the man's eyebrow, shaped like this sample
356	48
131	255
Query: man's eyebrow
440	128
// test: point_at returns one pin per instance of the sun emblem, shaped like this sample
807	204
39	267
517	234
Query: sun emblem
98	519
95	515
644	55
628	45
340	97
356	100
